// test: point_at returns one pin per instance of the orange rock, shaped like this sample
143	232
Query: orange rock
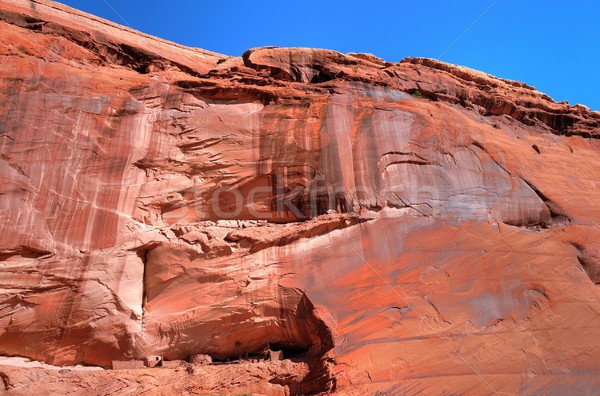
384	225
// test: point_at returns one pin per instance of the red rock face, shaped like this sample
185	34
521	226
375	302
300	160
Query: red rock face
400	227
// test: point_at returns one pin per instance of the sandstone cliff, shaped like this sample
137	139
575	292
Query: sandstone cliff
400	227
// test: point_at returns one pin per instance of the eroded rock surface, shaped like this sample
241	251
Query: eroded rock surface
397	227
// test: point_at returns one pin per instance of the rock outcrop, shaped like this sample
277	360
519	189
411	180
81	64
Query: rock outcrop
397	227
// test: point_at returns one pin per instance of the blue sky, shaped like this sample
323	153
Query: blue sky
552	45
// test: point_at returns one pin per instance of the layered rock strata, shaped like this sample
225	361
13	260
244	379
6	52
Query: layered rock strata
399	227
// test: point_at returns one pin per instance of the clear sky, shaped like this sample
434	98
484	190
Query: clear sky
552	45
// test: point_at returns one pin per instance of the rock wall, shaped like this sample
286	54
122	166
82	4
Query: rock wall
401	227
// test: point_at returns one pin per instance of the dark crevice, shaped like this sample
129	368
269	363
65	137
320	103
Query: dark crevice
301	193
423	94
557	214
322	75
248	239
246	92
404	205
307	340
589	268
320	377
583	134
410	162
587	263
480	146
406	153
5	381
143	253
529	224
142	69
21	20
307	73
292	352
24	252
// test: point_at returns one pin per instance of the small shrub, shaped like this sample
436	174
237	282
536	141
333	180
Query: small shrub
416	93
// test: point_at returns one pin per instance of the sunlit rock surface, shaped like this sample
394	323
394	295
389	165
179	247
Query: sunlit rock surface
398	227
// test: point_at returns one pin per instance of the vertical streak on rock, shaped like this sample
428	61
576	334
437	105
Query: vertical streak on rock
337	132
143	255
